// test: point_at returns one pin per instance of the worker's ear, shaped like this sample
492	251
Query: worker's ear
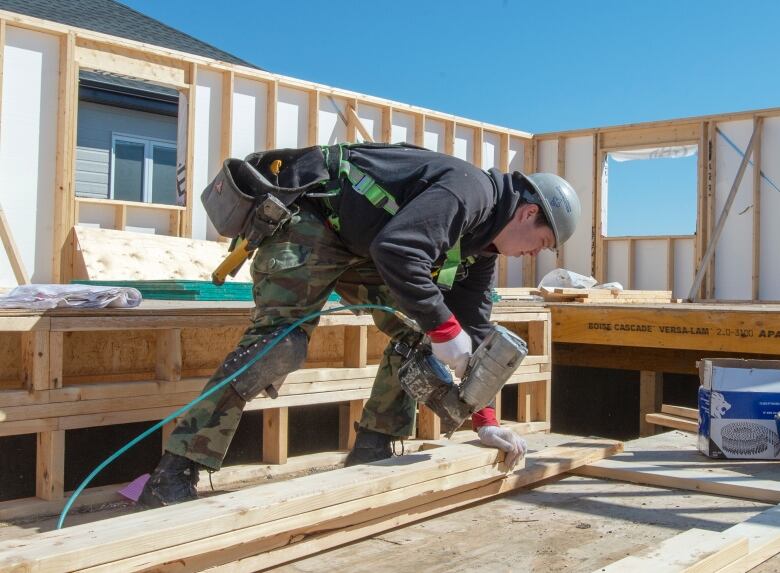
526	211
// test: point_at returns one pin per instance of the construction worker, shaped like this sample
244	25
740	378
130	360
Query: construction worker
405	227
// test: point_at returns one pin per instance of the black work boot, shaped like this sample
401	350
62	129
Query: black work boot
370	446
172	481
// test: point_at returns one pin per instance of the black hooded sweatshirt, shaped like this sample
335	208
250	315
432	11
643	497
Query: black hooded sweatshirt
441	199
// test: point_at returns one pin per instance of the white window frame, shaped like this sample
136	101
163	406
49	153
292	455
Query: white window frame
149	144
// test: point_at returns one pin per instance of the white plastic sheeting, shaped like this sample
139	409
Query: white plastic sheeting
668	152
579	172
371	118
769	279
332	127
491	150
464	143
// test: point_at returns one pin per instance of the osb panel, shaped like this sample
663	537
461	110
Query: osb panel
10	357
108	352
206	348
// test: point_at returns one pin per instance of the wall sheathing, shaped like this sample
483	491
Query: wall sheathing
28	146
733	256
249	132
207	144
546	161
769	279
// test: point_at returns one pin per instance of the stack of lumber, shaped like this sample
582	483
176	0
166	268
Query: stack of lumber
677	417
516	294
600	296
270	524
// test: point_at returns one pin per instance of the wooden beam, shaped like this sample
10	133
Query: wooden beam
449	137
50	465
357	124
680	411
270	115
694	551
355	346
35	361
561	171
709	287
65	157
428	424
313	117
319	508
651	388
705	479
169	357
189	181
600	255
667	421
117	63
419	129
275	422
636	138
14	257
758	125
349	415
763	534
56	353
226	121
387	124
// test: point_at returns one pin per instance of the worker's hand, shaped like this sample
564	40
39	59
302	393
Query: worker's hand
451	345
505	440
454	353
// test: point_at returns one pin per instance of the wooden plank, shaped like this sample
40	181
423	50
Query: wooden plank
349	415
56	342
35	360
241	524
355	346
636	138
313	117
428	424
667	421
758	124
96	59
751	330
704	479
226	120
763	534
275	422
50	465
680	411
189	175
11	249
169	357
65	161
694	551
651	386
358	124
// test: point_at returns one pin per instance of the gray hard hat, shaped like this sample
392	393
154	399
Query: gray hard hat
557	199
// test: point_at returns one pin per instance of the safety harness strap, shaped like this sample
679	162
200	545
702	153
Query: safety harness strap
379	197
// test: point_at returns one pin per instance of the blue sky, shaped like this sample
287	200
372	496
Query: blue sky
534	66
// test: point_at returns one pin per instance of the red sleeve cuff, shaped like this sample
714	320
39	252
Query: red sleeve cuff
484	417
446	331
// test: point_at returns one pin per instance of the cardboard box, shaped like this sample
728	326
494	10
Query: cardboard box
739	408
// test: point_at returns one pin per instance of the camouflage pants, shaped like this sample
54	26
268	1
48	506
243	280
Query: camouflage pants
294	272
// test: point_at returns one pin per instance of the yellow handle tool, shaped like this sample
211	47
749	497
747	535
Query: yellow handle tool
240	253
232	263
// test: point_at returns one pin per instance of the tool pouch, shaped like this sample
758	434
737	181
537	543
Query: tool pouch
250	199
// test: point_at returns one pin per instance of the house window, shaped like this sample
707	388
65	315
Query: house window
143	169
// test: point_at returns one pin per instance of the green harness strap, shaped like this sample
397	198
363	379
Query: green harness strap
379	197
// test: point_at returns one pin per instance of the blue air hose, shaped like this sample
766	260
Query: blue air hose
206	394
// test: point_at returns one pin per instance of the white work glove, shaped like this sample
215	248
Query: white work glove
505	440
454	353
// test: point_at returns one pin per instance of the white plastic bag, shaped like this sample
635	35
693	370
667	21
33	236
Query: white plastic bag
562	278
41	297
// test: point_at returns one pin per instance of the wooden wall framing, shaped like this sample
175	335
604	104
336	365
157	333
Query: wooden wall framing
106	367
